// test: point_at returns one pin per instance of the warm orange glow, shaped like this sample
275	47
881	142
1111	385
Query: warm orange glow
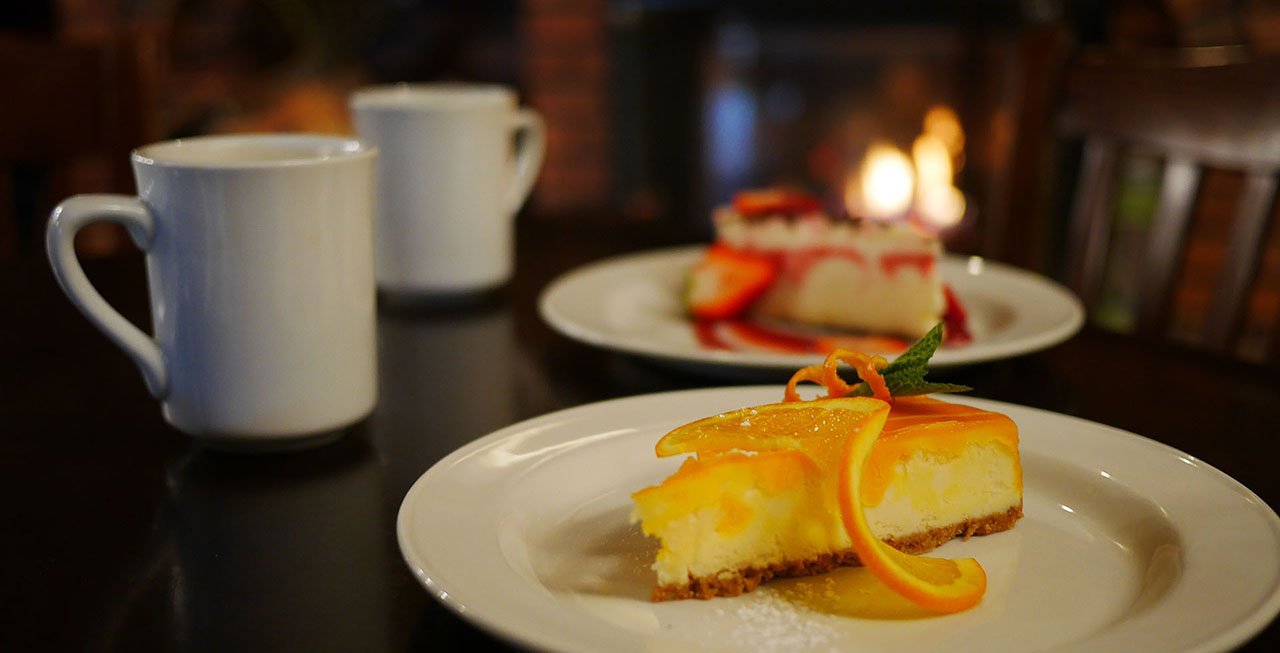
941	206
937	203
933	161
891	185
886	183
942	122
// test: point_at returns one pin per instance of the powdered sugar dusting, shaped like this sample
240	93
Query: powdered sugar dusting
767	621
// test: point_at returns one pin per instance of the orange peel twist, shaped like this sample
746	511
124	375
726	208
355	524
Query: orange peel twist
827	375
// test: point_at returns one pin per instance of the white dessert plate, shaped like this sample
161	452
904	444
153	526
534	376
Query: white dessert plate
1126	545
631	303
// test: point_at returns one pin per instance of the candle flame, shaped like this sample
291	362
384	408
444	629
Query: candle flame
891	185
938	203
941	121
941	206
933	161
886	183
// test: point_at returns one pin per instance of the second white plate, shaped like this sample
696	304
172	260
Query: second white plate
632	304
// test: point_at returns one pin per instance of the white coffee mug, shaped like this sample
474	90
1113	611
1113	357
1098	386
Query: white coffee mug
450	180
260	266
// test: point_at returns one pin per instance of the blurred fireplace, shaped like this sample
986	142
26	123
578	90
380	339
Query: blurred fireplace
710	102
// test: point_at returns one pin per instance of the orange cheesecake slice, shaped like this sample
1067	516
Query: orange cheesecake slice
742	510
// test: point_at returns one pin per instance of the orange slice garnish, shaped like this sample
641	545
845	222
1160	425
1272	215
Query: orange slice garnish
867	367
937	584
816	427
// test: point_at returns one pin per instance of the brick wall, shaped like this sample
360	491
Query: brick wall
565	76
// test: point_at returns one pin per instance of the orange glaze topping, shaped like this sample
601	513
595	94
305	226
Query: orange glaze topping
917	423
701	482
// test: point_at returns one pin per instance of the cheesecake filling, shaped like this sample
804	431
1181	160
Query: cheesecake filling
738	510
933	490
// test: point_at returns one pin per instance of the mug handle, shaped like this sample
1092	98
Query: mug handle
533	147
67	219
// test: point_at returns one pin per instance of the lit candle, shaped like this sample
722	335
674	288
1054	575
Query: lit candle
886	184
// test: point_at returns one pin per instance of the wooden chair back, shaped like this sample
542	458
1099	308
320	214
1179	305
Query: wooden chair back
1194	115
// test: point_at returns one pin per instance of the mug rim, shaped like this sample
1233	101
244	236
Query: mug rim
412	96
325	148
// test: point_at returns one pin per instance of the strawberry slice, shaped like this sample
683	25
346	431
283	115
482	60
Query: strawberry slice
726	281
774	200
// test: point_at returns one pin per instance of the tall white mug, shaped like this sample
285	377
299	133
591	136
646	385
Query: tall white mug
260	267
455	163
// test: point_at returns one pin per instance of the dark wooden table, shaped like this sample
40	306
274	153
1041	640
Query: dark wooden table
119	535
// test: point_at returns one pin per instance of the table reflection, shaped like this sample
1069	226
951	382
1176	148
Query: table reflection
447	375
234	561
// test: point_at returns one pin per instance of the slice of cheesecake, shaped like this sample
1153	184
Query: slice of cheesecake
857	275
730	519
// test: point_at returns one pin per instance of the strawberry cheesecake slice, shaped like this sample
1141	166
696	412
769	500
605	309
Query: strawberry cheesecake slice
852	274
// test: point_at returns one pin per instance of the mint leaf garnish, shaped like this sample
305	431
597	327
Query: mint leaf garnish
905	375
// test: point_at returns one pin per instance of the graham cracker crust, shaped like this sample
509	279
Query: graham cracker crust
732	582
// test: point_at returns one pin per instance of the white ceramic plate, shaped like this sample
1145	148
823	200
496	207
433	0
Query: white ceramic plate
631	303
1127	545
